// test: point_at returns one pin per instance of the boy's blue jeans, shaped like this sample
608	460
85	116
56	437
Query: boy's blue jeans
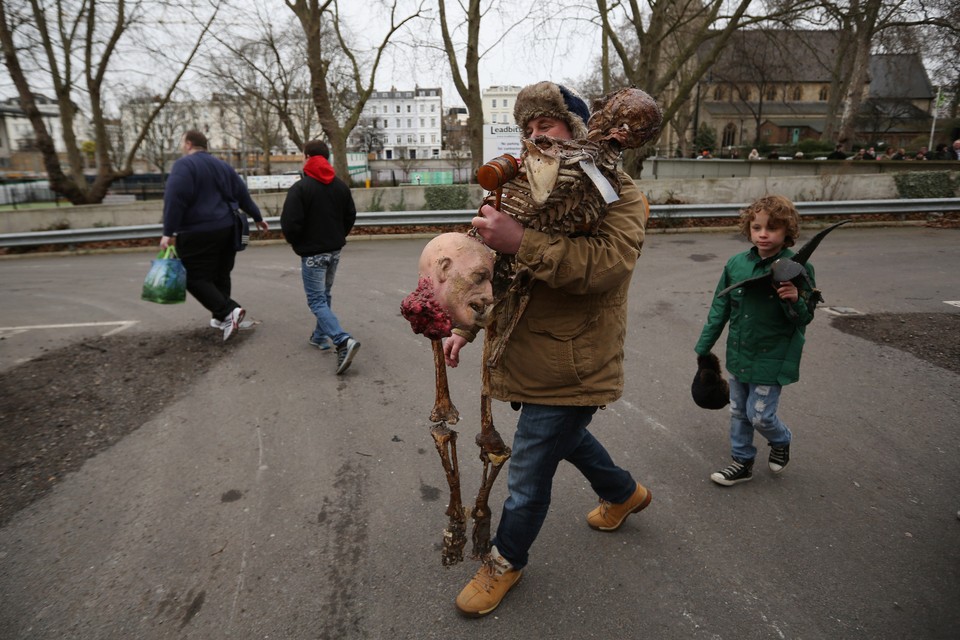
753	407
545	436
318	273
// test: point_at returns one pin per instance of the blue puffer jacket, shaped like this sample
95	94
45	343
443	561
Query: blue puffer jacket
201	194
765	338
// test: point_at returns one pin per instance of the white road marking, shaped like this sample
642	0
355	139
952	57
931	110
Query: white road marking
842	311
120	326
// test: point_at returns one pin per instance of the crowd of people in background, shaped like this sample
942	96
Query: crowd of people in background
943	151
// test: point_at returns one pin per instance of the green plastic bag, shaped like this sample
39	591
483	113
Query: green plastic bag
166	282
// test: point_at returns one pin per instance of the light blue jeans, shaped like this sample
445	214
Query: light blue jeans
753	407
318	273
545	436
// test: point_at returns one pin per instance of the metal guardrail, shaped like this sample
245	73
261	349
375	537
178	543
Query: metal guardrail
846	208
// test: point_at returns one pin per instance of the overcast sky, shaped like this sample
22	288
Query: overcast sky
545	40
564	50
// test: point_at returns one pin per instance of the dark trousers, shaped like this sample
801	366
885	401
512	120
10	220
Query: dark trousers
545	436
208	257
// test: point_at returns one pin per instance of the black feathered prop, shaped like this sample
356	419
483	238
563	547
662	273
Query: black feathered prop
709	389
790	269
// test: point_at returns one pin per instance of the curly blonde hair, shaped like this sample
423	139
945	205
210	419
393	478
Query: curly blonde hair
782	214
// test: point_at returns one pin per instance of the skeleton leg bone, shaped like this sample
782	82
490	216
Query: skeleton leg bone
455	535
493	453
443	408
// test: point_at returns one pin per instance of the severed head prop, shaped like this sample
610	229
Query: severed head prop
455	287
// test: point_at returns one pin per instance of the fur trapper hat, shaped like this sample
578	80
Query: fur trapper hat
709	389
554	101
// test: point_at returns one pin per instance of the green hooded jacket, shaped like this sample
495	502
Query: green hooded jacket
765	337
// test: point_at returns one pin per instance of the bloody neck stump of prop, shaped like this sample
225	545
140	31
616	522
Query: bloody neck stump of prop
424	313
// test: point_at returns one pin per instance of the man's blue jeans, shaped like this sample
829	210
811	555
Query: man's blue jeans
753	407
318	273
545	436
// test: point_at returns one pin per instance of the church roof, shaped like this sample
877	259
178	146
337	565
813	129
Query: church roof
769	56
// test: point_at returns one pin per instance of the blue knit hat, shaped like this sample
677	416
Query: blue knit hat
554	101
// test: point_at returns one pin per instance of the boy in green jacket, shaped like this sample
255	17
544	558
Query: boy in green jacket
765	336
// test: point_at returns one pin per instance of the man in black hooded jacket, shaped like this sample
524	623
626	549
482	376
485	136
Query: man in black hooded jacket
318	213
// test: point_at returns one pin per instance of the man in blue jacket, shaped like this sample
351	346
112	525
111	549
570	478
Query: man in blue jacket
199	200
318	213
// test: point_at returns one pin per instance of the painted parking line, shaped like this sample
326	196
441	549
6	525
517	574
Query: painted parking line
119	326
955	303
842	311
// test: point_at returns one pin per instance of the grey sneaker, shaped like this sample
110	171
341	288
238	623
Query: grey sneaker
232	323
323	343
216	324
737	472
779	458
345	353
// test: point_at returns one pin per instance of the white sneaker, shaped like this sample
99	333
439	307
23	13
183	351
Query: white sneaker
244	325
232	323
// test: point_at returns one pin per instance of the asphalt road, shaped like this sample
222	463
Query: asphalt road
277	500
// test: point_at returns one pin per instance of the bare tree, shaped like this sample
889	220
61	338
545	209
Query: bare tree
883	116
467	81
366	137
251	102
458	152
943	56
71	47
269	69
753	70
862	24
666	47
464	60
161	142
326	43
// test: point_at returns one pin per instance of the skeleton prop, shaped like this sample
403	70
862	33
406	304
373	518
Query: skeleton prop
556	186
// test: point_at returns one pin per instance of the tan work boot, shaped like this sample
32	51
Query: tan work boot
483	594
609	516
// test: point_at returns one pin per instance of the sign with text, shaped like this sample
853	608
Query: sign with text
499	139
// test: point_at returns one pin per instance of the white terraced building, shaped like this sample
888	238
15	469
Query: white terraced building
410	122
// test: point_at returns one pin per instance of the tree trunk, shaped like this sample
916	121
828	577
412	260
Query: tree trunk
469	88
866	25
